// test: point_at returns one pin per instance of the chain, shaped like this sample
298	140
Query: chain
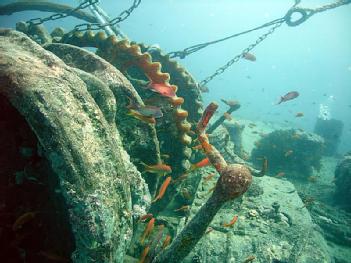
305	14
83	5
242	54
183	53
96	26
329	6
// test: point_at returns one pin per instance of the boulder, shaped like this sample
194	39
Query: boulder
293	151
342	182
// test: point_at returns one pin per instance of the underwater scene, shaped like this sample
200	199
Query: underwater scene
166	131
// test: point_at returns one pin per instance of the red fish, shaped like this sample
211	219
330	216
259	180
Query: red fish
232	222
183	208
166	242
180	178
288	96
144	254
141	117
163	189
163	89
209	177
159	168
145	217
24	218
200	164
197	147
148	229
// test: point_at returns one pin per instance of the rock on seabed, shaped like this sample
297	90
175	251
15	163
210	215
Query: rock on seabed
284	235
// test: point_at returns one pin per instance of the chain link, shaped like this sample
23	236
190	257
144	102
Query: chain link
183	53
241	55
305	12
83	5
329	6
96	26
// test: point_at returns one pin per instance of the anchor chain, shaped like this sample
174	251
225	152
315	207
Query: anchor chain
96	26
183	53
241	55
83	5
305	14
87	26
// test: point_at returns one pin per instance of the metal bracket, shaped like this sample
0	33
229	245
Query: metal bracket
305	14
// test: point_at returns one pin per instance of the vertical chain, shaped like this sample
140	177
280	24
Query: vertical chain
241	55
330	6
96	26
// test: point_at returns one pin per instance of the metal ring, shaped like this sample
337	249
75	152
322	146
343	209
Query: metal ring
303	18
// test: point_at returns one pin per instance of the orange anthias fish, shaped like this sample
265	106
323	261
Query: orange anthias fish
209	177
249	56
299	114
197	147
148	229
160	168
141	117
180	178
163	189
20	221
183	208
166	242
144	254
249	259
163	89
288	96
202	163
232	222
144	217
